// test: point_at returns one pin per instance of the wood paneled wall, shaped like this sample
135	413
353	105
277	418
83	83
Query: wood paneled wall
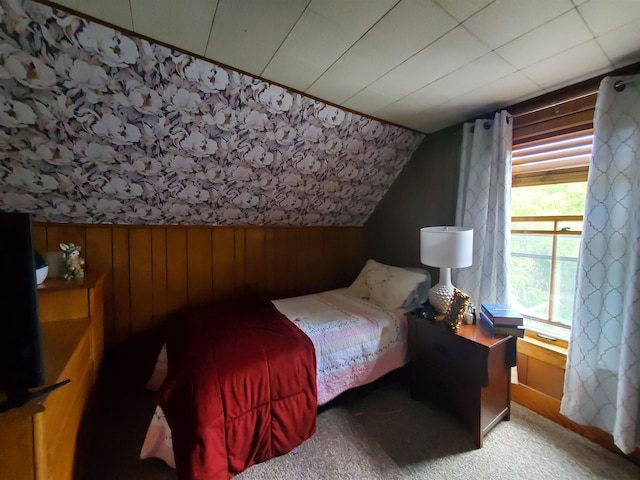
152	271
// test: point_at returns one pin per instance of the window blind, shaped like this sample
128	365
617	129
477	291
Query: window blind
557	159
552	137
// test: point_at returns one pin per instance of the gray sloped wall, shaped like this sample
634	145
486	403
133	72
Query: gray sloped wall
424	194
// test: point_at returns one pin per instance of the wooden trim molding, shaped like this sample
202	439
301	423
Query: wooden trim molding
549	407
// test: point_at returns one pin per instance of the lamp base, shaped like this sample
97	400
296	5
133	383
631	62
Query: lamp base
440	296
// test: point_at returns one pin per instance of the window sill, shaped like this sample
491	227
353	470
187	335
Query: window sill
546	330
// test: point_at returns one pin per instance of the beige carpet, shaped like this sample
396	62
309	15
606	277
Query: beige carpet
374	433
383	434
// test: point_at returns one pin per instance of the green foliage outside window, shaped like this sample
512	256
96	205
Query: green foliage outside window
555	199
531	253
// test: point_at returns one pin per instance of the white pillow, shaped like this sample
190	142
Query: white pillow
384	285
360	288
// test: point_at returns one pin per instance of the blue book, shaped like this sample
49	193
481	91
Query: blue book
486	322
501	314
514	331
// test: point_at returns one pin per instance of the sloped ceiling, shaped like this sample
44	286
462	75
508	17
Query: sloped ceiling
102	127
423	64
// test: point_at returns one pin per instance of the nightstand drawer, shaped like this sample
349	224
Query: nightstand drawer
435	348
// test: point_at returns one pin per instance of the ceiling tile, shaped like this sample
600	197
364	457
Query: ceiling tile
583	61
246	33
325	31
505	91
482	71
622	45
506	20
404	31
603	16
553	37
403	112
409	27
421	119
461	10
368	101
295	71
356	69
452	51
115	12
170	22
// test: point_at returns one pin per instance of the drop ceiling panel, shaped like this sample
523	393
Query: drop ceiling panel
409	27
115	12
482	71
452	51
461	10
247	33
583	61
622	45
359	67
504	91
325	31
404	31
369	101
172	23
292	70
506	20
553	37
602	16
403	112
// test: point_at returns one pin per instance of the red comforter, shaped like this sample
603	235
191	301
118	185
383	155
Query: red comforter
240	389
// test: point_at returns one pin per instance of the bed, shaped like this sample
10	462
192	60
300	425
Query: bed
358	335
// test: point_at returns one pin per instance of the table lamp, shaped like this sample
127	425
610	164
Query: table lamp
447	248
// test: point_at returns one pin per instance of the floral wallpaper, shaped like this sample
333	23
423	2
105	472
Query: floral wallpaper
101	127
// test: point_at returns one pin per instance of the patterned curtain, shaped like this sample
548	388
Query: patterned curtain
484	204
602	379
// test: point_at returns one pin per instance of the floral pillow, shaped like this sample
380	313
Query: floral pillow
386	286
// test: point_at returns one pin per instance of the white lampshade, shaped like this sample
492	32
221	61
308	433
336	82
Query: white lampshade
450	247
447	248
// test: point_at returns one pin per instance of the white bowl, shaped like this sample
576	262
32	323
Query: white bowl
41	274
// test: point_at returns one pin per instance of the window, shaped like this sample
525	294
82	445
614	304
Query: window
544	254
550	160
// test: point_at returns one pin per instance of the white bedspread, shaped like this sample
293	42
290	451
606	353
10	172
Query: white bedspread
356	342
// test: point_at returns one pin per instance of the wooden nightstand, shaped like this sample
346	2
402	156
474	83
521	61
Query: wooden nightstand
467	372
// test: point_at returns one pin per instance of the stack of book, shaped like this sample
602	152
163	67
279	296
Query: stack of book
501	319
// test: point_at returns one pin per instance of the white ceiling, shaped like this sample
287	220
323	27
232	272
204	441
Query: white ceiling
424	64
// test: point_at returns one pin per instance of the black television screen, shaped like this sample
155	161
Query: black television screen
21	363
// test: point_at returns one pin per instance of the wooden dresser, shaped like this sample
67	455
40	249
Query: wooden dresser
38	440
